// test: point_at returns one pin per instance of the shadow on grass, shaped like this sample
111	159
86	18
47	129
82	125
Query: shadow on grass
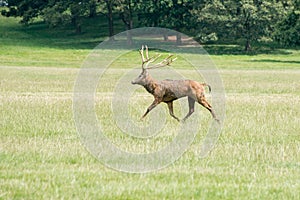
276	61
38	34
225	49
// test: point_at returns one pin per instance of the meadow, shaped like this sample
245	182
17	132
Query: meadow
41	156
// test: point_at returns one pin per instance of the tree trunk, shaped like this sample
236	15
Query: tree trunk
76	22
92	9
130	24
127	19
248	45
178	39
248	33
129	36
78	28
110	20
166	38
75	17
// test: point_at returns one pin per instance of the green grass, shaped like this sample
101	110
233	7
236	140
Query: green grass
41	157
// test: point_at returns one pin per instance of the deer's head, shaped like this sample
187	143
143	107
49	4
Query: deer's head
144	77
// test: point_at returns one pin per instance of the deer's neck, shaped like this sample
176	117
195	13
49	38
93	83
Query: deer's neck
150	85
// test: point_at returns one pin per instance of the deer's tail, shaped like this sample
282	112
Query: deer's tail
209	88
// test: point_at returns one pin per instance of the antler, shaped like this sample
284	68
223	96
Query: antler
167	61
147	61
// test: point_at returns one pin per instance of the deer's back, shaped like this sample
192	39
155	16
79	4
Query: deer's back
174	89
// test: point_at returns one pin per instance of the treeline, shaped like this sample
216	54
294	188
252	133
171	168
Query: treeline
206	20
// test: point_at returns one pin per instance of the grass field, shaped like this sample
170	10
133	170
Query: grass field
41	157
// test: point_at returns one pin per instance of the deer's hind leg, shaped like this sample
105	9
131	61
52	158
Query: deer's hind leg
202	100
191	108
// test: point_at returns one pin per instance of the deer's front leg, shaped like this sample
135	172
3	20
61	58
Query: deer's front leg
170	106
155	103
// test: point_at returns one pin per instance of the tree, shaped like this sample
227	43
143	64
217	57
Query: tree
77	9
154	14
287	30
62	12
107	9
173	14
27	9
126	9
246	19
151	14
181	18
92	5
54	12
255	19
109	6
213	19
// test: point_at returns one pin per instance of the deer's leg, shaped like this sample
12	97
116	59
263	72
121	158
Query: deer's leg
202	100
155	103
170	106
191	108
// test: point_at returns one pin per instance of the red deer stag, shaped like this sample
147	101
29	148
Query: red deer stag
169	90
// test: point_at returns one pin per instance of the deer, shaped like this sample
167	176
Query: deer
168	90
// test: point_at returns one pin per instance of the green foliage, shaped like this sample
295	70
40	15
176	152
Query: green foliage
213	18
287	31
58	12
92	6
206	38
56	15
126	10
246	19
27	9
171	14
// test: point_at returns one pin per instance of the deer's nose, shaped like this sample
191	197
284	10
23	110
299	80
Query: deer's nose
132	82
